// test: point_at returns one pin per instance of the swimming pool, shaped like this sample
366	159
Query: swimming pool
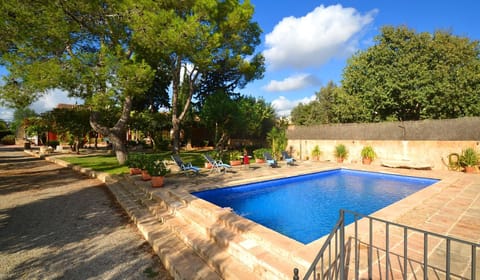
306	207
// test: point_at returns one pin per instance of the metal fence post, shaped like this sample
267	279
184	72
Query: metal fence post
342	244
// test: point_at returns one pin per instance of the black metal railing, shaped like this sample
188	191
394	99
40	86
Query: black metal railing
392	251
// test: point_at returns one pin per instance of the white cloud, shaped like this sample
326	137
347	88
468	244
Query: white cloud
296	82
283	106
45	103
315	38
50	100
6	114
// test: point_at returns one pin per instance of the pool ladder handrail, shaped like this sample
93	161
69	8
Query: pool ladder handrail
336	270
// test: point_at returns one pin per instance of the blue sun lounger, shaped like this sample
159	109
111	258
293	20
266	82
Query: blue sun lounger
287	158
217	165
270	160
185	167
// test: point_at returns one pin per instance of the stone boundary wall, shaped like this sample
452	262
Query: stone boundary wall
429	141
449	130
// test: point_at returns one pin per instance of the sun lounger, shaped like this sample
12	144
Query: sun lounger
406	164
217	165
186	168
287	158
270	160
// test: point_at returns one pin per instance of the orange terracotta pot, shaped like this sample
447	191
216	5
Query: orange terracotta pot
135	171
146	176
366	160
157	181
469	169
259	160
235	162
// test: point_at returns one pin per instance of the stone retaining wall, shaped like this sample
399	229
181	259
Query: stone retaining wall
429	141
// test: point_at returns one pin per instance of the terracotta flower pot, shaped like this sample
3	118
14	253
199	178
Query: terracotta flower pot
366	160
157	181
340	160
235	162
146	176
469	169
135	171
259	160
208	165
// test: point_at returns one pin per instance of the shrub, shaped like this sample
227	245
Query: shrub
469	157
258	153
8	140
53	143
234	155
368	152
316	152
341	151
156	167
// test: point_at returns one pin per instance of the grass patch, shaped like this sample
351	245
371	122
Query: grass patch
102	163
109	163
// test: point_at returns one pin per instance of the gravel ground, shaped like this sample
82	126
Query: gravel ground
58	224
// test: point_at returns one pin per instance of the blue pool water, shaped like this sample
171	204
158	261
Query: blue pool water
306	207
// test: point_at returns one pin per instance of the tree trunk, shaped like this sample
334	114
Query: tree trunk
119	147
176	135
117	132
177	117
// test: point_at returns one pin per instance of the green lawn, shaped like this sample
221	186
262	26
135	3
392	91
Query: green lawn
109	164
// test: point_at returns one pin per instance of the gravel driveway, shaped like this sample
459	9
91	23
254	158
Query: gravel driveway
58	224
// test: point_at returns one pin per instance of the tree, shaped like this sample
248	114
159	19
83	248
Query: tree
198	43
222	114
84	47
331	105
19	116
72	121
257	117
413	76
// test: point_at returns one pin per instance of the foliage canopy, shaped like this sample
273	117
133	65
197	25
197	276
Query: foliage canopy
404	76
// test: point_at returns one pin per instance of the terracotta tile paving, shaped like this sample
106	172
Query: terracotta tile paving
450	207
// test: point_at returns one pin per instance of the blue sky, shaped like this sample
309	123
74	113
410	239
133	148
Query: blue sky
306	43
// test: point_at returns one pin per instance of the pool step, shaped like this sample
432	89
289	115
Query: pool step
180	260
236	235
165	206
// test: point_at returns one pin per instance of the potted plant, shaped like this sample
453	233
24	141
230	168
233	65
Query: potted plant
235	158
469	159
340	153
143	160
368	154
258	154
157	170
316	153
133	162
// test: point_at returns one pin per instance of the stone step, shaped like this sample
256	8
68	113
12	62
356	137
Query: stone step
240	226
190	234
246	250
216	256
181	260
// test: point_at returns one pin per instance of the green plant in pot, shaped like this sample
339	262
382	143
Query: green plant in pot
157	170
316	152
341	152
133	162
258	154
469	159
368	154
235	157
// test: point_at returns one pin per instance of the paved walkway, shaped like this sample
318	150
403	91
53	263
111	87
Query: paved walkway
58	224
